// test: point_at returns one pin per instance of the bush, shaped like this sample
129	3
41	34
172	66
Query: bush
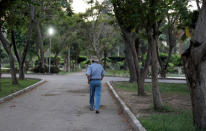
82	59
163	57
53	69
39	69
115	59
7	70
176	60
37	61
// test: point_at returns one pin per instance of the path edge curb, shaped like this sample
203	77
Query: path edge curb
20	92
137	126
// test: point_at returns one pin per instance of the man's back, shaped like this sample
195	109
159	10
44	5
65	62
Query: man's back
95	71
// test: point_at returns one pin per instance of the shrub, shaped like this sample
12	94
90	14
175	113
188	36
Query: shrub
7	70
163	57
176	60
82	59
55	69
115	59
39	69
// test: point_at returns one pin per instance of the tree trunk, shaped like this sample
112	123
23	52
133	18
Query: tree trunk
40	42
130	63
56	60
172	43
132	41
68	66
0	65
198	5
21	59
105	59
195	70
7	47
21	67
157	100
21	72
164	68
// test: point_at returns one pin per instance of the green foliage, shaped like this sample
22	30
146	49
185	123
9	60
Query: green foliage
174	61
115	59
127	13
163	57
7	87
82	59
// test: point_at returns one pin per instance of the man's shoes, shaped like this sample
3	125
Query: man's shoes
91	109
97	111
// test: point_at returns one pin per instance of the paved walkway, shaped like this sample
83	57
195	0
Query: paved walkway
61	104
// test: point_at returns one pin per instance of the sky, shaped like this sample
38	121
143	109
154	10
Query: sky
81	5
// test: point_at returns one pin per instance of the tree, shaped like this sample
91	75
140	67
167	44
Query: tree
131	15
73	24
96	24
7	47
21	58
129	23
6	6
194	65
174	11
0	64
109	39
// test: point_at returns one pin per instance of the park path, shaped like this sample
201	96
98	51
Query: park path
61	104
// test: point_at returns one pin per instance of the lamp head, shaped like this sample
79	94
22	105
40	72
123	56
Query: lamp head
51	31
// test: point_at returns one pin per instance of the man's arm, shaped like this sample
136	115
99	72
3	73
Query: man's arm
102	77
88	73
88	78
102	73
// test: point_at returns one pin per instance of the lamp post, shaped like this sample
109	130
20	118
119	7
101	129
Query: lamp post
51	33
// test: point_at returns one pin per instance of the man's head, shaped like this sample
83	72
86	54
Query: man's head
94	59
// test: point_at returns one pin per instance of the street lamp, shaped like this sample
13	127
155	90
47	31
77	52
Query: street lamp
51	33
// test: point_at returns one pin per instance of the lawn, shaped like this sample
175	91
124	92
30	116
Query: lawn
175	121
7	87
62	72
164	87
176	117
120	73
125	73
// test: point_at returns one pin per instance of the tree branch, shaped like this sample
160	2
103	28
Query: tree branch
14	45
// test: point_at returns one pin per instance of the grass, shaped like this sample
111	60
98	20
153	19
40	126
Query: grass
164	87
175	75
125	73
62	72
169	119
7	87
121	73
177	121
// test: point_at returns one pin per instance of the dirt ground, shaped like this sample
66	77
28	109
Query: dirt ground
143	105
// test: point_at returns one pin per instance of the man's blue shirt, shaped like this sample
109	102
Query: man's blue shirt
95	71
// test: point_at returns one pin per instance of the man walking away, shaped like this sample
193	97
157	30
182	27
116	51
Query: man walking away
95	73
